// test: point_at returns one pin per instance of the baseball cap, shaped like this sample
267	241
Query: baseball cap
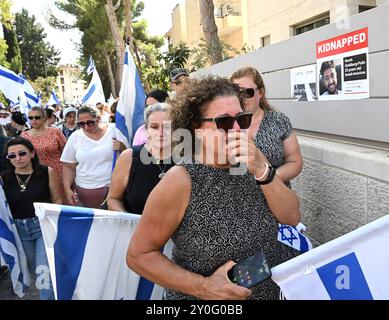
175	73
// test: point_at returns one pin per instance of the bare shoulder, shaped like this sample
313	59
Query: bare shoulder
177	177
126	156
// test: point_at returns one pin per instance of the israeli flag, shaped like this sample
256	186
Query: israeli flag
33	99
86	250
11	250
91	66
94	93
351	267
53	99
293	237
129	113
10	84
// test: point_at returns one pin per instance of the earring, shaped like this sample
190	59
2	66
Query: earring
261	103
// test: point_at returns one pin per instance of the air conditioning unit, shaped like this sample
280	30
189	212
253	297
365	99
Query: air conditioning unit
218	12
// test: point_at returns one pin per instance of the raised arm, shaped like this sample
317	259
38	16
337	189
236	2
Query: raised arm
119	181
282	201
163	213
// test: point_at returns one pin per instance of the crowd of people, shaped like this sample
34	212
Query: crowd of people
183	188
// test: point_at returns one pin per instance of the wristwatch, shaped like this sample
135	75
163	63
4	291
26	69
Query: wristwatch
270	176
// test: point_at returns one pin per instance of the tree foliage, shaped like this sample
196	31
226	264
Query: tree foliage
43	86
13	50
97	38
39	58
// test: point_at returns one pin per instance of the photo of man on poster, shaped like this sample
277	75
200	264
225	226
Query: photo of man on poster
330	78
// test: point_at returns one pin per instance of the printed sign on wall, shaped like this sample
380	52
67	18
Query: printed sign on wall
342	66
303	83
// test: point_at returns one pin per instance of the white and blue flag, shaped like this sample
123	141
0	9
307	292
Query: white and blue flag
33	99
94	93
53	99
86	250
293	237
91	66
11	250
11	84
351	267
130	110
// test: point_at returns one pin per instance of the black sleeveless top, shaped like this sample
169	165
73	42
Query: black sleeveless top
37	190
142	179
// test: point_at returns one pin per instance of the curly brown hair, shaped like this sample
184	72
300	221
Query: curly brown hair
258	80
188	106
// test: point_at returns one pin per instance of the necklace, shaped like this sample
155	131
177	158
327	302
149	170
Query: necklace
162	169
23	184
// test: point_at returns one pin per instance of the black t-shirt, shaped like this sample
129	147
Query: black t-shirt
142	180
37	190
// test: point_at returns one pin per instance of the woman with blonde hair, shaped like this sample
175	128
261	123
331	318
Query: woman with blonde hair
271	130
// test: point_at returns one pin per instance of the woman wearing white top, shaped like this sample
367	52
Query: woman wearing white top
87	160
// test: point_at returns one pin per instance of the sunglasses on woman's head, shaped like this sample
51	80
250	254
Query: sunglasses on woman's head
13	155
247	92
4	115
226	122
89	123
34	118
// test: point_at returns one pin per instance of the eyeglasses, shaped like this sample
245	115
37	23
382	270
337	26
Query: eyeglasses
226	122
247	92
13	155
35	118
89	123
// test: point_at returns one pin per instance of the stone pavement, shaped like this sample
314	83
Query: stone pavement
6	291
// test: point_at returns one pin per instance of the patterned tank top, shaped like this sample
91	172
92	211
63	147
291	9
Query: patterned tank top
227	218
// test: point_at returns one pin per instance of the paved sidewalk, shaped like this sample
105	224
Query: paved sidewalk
6	291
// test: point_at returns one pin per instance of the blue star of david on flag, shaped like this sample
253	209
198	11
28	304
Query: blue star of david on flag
292	237
287	236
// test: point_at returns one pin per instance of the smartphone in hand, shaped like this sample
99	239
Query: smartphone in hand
250	272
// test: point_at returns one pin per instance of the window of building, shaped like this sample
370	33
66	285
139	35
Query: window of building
365	8
312	24
265	41
63	89
62	81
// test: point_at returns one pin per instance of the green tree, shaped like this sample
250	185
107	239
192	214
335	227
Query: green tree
39	58
6	21
43	85
105	28
201	55
13	51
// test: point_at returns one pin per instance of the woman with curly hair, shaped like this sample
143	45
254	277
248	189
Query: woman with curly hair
214	216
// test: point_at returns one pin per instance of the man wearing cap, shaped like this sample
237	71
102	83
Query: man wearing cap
69	125
178	78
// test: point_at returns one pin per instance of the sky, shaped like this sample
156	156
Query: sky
156	12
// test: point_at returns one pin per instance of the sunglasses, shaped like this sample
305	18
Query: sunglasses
4	115
226	122
13	155
247	92
89	123
35	118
